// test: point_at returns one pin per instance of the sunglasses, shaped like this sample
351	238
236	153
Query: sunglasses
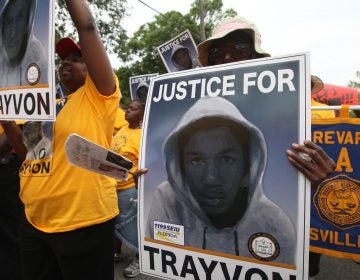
237	51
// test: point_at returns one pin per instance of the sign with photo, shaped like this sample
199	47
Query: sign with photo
139	86
179	53
220	199
27	82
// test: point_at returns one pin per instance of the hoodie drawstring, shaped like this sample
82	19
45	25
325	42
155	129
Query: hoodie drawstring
236	241
204	238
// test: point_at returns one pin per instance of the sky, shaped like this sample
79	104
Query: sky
328	29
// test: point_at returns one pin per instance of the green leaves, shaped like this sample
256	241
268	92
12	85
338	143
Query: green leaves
138	53
108	15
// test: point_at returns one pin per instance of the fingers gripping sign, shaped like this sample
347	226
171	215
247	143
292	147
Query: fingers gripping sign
311	160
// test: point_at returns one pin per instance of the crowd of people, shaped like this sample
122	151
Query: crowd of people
70	223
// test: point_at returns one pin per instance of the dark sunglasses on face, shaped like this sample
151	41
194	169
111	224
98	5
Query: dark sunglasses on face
237	51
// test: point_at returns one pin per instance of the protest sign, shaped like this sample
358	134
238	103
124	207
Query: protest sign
179	53
221	200
139	86
85	154
27	89
335	207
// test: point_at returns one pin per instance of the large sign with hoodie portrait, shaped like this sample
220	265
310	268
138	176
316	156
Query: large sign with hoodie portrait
27	89
220	199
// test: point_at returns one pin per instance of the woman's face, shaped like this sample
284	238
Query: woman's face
213	163
15	28
72	71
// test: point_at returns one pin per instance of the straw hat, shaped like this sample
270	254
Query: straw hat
316	84
226	27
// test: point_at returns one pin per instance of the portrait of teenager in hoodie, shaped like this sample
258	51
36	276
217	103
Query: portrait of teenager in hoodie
142	91
215	161
19	46
182	59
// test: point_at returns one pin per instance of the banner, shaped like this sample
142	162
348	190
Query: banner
337	95
221	200
27	75
335	209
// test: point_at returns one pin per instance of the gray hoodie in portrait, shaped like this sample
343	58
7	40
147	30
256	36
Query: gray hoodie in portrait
141	91
195	61
174	203
14	72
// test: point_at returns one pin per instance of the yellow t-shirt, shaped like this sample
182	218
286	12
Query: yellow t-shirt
120	120
321	114
58	196
127	143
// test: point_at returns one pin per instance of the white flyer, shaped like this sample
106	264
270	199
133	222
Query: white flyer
85	154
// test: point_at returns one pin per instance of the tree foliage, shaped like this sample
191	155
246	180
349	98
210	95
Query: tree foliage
212	12
108	15
354	83
140	54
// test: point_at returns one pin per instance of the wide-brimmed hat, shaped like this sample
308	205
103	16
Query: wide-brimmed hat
65	46
226	27
316	84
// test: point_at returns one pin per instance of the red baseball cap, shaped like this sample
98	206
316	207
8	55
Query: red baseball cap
65	46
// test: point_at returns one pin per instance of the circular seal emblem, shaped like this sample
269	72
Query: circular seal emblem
33	74
338	201
263	246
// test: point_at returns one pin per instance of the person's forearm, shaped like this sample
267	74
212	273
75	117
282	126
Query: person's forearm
81	15
14	137
92	48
